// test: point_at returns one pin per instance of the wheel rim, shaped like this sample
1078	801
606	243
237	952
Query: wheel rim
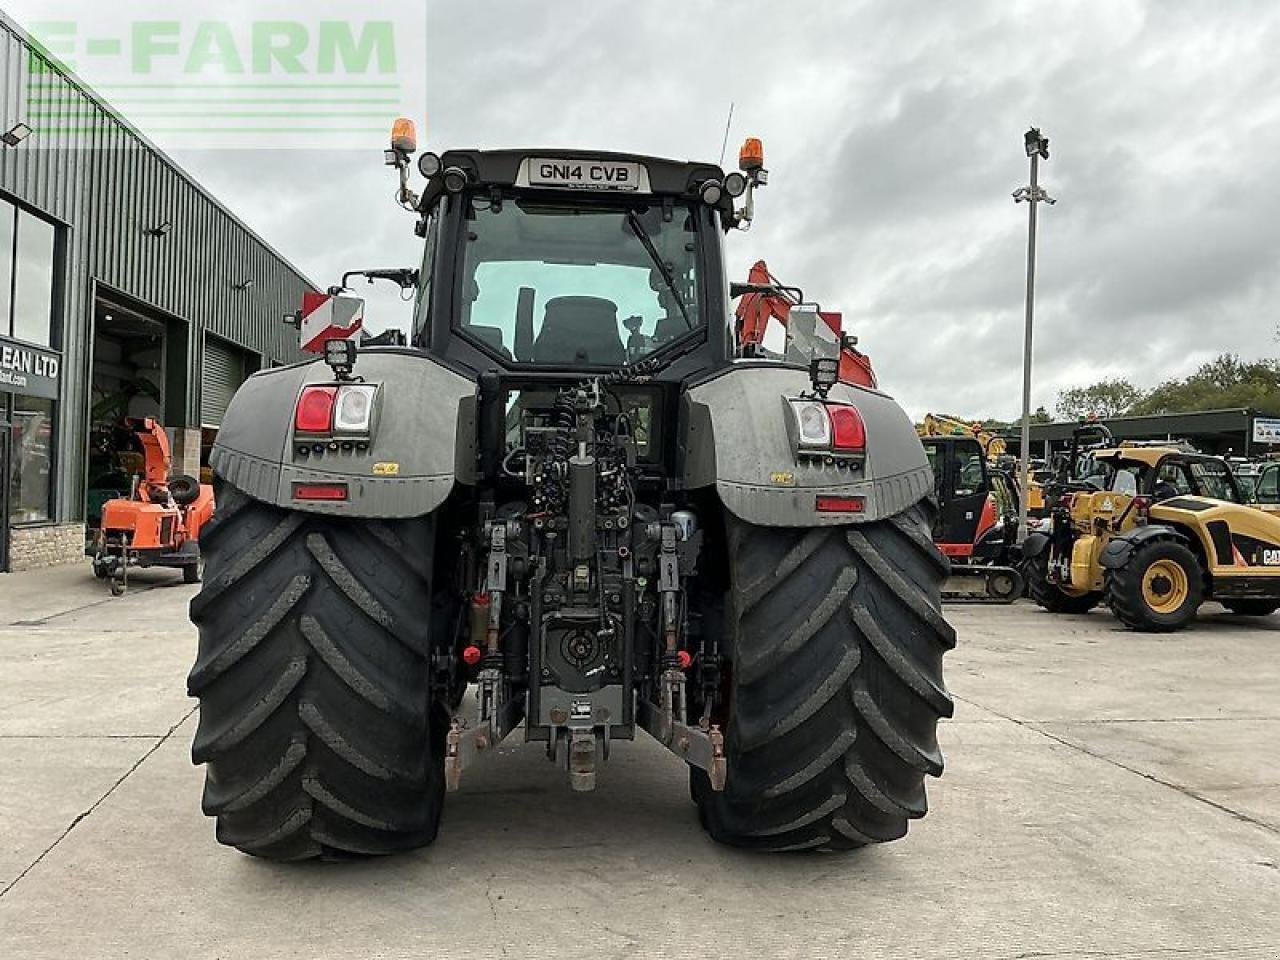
1165	586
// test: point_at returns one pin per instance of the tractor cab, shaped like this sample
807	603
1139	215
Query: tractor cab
542	261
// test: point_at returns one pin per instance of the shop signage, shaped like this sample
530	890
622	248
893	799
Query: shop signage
33	371
1266	430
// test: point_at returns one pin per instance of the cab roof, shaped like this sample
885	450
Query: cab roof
1146	455
502	167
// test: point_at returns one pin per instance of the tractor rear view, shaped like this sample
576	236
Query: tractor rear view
572	495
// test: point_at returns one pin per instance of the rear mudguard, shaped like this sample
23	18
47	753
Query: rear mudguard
417	450
734	436
1034	545
1117	553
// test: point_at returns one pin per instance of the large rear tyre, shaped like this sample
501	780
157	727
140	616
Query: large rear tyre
1052	597
836	642
1159	588
315	719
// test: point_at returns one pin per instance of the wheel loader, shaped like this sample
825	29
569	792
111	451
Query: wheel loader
568	511
1154	531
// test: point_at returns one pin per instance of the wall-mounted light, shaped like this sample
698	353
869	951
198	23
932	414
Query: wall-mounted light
244	284
159	230
15	134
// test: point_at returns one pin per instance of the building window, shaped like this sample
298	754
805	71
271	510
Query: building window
33	280
8	222
31	461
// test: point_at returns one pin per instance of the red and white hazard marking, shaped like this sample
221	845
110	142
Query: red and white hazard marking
325	317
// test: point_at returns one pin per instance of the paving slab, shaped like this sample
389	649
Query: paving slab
96	667
1033	665
1230	762
46	783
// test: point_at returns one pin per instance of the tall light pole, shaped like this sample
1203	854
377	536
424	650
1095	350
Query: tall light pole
1037	148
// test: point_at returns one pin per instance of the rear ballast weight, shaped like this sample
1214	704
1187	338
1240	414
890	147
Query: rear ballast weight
596	523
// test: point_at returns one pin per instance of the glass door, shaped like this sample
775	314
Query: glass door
5	475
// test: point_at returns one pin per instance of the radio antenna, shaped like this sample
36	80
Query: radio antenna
728	124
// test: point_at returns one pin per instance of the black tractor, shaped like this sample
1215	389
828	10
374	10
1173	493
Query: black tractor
569	495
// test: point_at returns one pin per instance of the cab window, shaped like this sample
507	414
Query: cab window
1268	490
1126	481
1172	480
579	284
1212	479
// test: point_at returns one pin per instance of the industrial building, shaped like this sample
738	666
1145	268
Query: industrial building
126	289
1239	432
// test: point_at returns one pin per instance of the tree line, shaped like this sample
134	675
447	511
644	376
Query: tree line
1226	382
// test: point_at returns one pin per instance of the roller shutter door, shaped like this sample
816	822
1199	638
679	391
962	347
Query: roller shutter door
223	372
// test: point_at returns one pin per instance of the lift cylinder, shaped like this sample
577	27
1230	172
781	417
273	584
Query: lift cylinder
582	507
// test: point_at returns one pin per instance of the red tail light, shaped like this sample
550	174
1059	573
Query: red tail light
315	410
320	491
839	504
847	430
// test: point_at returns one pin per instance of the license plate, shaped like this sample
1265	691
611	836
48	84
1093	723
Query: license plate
611	175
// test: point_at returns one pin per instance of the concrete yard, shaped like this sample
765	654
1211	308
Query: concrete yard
1107	794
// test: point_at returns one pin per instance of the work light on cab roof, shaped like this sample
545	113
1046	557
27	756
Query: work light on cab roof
572	170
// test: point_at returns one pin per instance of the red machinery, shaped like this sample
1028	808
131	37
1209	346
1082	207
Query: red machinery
159	524
767	299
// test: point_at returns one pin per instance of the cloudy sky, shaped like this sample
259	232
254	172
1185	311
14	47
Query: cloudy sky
893	133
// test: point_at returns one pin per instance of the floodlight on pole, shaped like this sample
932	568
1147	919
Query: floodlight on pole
1037	147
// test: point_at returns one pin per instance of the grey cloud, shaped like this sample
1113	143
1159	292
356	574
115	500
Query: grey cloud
894	135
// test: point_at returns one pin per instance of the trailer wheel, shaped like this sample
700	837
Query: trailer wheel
1052	597
1251	608
836	684
316	724
1159	588
191	573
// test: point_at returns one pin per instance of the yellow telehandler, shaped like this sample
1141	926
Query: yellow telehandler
1154	531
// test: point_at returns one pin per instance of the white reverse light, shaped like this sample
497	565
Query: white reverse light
353	412
813	426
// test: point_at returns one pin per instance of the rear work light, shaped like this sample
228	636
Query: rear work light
354	410
320	491
346	409
823	427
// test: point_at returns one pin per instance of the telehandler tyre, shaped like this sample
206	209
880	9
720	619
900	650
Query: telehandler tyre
837	644
1159	589
312	675
1251	608
1050	596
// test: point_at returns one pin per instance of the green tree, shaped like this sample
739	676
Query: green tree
1106	398
1225	382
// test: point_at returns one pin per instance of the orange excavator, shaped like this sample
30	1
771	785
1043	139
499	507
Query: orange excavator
158	524
763	298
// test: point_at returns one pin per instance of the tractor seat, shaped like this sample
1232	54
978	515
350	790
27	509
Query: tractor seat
580	330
